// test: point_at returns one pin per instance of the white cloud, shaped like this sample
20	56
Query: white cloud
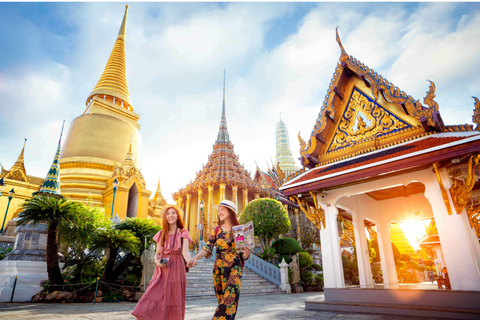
176	54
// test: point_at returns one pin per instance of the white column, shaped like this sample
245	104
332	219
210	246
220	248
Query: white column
331	254
363	257
461	250
284	277
390	280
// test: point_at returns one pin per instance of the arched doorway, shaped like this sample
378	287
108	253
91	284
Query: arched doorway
132	201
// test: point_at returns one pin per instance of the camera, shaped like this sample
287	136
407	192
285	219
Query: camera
164	261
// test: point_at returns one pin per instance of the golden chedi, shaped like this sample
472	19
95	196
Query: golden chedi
103	144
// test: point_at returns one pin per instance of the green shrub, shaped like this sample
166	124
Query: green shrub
4	252
132	280
287	246
305	260
306	276
112	296
317	267
284	257
319	279
267	255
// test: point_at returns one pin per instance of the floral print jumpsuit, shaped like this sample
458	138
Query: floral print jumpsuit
227	273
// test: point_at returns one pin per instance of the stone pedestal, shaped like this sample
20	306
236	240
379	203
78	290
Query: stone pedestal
27	262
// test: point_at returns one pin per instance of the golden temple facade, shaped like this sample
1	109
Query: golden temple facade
223	177
102	144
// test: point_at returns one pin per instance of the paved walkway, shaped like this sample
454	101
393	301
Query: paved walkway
261	307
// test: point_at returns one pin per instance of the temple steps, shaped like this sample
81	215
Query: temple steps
200	282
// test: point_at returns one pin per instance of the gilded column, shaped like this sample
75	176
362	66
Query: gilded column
245	197
257	195
187	212
209	209
234	194
199	211
299	239
222	191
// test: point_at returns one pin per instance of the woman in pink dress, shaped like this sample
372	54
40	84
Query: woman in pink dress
165	295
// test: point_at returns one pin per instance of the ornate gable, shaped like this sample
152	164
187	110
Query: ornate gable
364	119
363	111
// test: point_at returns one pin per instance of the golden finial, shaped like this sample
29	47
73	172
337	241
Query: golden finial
113	82
344	55
476	113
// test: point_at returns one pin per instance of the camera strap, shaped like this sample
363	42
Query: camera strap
173	245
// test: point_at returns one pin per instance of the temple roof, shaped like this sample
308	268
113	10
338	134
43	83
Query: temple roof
362	112
113	81
431	148
223	165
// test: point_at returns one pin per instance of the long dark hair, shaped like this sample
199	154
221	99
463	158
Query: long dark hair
165	224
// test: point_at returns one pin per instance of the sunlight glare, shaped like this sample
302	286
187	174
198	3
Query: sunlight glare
414	230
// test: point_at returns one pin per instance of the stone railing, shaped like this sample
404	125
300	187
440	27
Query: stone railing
264	268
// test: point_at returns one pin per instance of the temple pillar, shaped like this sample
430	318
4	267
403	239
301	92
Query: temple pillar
234	194
461	251
222	191
245	198
387	261
297	218
187	213
331	251
210	208
199	213
363	256
257	195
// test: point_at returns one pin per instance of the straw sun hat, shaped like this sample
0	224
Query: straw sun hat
227	204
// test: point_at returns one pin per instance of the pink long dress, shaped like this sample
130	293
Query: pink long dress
165	295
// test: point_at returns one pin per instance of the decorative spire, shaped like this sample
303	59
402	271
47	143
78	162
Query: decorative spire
17	171
223	136
113	81
158	193
20	163
129	161
51	185
344	55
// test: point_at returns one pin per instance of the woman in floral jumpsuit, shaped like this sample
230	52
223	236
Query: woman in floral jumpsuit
227	270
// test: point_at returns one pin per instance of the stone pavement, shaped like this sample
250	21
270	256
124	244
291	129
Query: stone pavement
261	307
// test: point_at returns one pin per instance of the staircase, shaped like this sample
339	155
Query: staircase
200	282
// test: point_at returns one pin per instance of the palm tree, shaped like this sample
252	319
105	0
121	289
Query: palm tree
113	240
77	236
49	210
144	230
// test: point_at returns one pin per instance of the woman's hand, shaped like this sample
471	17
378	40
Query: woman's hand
246	253
192	263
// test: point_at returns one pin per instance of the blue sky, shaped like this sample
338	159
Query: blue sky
279	57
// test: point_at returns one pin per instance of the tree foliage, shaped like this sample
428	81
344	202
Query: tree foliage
77	237
269	219
113	240
51	211
286	246
305	230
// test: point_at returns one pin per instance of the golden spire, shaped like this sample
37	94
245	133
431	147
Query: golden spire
18	166
158	194
113	81
129	161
